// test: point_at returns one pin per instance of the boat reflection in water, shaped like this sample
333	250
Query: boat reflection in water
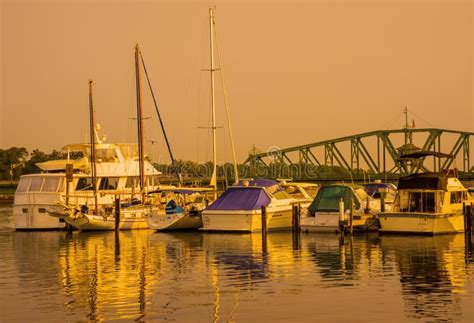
183	276
432	273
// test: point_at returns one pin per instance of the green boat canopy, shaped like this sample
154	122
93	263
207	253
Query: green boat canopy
328	198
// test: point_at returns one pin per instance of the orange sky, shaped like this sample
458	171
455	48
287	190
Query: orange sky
296	72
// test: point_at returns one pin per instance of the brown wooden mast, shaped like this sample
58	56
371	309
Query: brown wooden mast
93	152
141	154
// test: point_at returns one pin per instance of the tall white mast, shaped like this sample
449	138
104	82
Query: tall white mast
141	152
213	181
93	151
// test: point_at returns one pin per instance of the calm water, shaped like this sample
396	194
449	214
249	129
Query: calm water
200	277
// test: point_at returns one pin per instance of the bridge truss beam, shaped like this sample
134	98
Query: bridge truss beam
377	153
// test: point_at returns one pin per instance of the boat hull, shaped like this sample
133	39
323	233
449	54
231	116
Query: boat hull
247	221
129	220
161	221
35	217
421	223
329	222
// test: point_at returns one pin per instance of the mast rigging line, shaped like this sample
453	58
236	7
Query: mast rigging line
173	161
234	159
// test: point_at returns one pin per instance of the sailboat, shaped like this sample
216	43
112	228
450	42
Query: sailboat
239	208
182	207
132	215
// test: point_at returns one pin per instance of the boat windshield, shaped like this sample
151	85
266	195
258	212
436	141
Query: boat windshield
23	185
51	184
328	198
418	202
40	184
241	198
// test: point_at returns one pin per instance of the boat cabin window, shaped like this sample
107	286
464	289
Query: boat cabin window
421	202
470	192
466	195
23	185
36	183
51	184
109	183
132	182
61	185
84	183
456	197
106	155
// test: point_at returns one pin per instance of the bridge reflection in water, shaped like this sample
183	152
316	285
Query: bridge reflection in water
221	277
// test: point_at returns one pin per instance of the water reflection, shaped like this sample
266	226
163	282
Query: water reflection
432	273
186	276
106	273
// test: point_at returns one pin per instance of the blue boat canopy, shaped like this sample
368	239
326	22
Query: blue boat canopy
373	189
241	198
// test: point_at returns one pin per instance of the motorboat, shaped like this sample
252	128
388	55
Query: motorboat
178	208
427	203
384	193
300	190
239	207
340	203
181	208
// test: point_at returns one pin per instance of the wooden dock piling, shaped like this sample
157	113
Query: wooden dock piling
341	217
296	218
351	216
264	228
467	212
117	212
296	226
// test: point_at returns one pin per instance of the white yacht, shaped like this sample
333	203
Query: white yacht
427	203
117	173
332	204
239	208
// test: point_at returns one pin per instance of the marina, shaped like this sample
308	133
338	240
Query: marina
293	195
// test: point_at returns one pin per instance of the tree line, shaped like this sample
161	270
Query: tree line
17	161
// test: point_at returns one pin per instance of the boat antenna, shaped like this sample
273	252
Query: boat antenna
213	181
173	161
408	134
93	151
229	125
139	122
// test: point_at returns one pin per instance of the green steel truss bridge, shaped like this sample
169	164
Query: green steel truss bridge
375	154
